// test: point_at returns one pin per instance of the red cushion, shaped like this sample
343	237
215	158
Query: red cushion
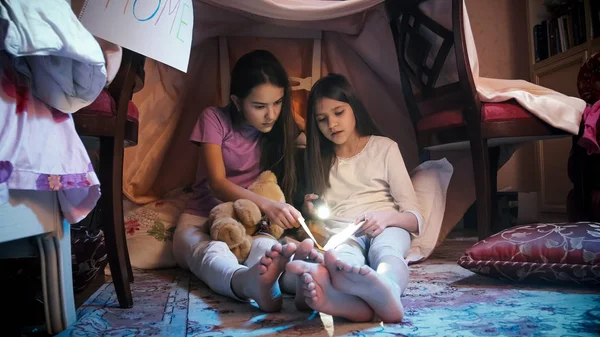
441	120
105	105
565	252
132	112
504	111
490	112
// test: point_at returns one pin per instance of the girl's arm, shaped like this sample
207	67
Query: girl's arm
403	192
282	214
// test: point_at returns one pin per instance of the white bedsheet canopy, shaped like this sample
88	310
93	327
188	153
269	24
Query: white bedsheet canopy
356	42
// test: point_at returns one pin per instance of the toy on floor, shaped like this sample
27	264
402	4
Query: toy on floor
236	222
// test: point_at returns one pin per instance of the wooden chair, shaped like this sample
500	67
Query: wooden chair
114	119
451	116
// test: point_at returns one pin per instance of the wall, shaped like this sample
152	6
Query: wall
499	29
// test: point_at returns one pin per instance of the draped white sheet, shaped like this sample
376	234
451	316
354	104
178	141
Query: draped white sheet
357	42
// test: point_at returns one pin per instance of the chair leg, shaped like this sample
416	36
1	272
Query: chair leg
127	260
112	220
483	190
494	157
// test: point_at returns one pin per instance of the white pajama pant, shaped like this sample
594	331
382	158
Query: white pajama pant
393	241
212	261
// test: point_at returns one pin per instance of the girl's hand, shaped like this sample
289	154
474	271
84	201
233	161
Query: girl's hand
375	223
308	207
282	214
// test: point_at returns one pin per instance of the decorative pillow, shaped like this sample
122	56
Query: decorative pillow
564	252
430	181
149	230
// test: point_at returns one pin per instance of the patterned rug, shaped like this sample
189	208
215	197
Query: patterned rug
442	299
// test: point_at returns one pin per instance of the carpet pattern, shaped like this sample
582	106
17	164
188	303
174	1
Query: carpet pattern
442	299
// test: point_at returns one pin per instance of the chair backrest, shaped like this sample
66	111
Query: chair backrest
127	81
421	63
272	31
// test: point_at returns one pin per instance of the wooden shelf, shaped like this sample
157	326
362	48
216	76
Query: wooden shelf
536	13
558	72
566	54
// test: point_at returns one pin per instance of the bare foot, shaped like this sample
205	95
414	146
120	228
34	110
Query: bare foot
321	296
379	292
306	252
260	282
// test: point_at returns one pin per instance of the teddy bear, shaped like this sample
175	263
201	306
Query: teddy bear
236	222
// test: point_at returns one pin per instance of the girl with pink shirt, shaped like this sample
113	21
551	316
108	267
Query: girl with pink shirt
255	132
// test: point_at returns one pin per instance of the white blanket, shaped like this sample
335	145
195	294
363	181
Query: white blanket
52	48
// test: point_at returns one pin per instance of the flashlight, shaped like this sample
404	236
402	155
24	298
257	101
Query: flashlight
321	208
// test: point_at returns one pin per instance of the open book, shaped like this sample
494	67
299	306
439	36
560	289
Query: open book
335	240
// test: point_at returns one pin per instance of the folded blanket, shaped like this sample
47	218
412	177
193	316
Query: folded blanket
51	47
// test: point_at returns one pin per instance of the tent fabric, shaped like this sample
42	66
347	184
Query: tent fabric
356	42
297	10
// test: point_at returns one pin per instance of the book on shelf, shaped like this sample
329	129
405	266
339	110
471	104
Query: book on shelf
561	32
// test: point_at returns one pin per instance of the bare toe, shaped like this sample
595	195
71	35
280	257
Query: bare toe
275	251
316	256
304	250
288	250
266	260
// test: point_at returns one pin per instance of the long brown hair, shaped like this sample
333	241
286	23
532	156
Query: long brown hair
320	151
277	146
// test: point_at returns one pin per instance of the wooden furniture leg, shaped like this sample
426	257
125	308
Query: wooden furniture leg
111	177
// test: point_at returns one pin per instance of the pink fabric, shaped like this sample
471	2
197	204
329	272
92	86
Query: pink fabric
241	151
105	105
490	112
589	138
133	113
496	112
441	120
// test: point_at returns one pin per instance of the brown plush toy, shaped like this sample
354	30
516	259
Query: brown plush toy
266	186
236	222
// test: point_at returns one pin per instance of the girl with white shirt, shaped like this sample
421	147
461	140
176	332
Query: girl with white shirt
362	177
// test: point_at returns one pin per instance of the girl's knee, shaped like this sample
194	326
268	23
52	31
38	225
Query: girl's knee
392	241
350	254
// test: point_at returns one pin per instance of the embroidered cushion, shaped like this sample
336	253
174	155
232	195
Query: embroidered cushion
563	252
149	230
